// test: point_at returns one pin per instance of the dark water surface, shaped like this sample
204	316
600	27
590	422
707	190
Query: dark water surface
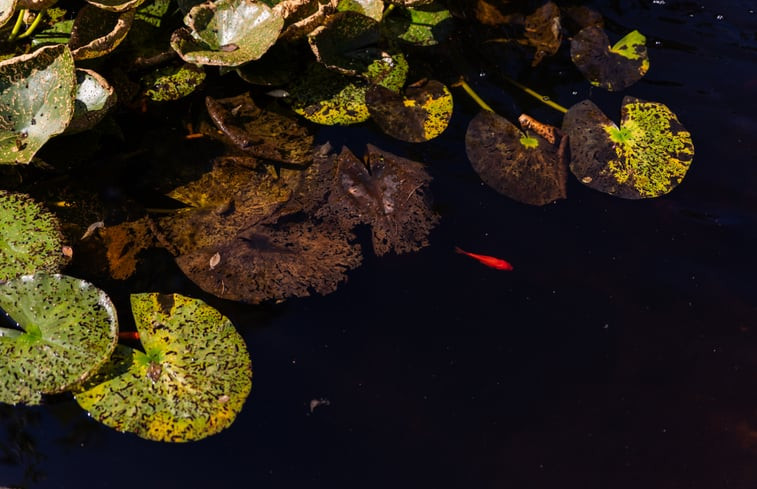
620	353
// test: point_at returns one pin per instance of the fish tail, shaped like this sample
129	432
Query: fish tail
460	250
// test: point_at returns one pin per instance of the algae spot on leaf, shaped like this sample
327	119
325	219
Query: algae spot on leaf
30	237
647	156
422	114
613	68
329	98
69	329
524	167
37	94
190	382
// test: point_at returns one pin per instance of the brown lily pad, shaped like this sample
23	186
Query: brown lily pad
524	167
615	67
97	32
543	31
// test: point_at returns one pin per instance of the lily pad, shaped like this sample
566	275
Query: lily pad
172	82
266	134
370	8
37	93
522	166
422	114
227	32
7	9
647	156
97	32
116	5
123	244
423	25
94	99
340	41
543	31
393	198
189	383
613	68
68	329
30	237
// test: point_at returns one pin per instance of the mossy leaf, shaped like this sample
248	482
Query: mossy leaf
69	329
227	32
30	237
370	8
647	156
613	68
422	25
522	166
94	99
189	383
97	32
420	115
37	94
172	82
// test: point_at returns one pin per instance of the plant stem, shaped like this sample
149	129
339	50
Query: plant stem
17	25
462	83
536	95
28	32
387	11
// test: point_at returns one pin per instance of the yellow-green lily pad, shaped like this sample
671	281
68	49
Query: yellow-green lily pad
422	25
647	156
30	237
190	382
37	92
227	32
613	68
68	328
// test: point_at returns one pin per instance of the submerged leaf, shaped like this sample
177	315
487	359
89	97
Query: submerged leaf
422	114
613	68
30	237
69	330
123	243
37	94
521	166
191	381
543	31
647	156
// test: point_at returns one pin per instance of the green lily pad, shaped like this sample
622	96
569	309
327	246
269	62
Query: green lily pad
227	32
37	94
58	33
647	156
370	8
522	166
423	25
172	82
30	237
97	32
189	383
69	329
420	115
613	68
341	40
116	5
94	99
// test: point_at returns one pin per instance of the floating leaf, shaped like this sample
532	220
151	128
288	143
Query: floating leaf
422	114
425	25
261	133
189	383
37	93
116	5
521	166
543	31
30	237
94	99
97	32
69	330
227	32
172	82
340	42
613	68
370	8
7	9
392	197
276	67
647	156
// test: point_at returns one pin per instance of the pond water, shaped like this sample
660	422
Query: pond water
621	351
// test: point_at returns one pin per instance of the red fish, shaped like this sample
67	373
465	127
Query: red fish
489	261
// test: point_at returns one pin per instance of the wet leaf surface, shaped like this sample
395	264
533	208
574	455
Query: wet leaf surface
94	99
647	156
420	115
189	383
613	68
524	167
69	328
37	93
30	237
97	32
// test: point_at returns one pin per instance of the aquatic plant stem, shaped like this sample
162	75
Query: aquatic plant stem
462	83
28	32
17	25
387	11
536	95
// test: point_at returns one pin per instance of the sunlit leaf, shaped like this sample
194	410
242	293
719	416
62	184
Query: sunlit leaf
116	5
172	82
68	329
423	25
7	9
613	68
371	8
94	99
97	32
189	383
522	166
647	156
420	115
37	93
58	33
